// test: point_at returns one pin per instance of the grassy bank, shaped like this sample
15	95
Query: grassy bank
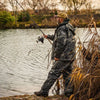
24	20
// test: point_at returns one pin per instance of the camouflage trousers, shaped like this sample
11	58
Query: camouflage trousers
59	67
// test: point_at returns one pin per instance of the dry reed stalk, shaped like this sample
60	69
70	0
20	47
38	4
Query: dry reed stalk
86	77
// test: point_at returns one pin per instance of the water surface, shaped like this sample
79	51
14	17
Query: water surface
23	67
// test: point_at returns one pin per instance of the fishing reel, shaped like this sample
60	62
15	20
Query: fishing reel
40	39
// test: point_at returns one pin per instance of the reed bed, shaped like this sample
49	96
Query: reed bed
86	69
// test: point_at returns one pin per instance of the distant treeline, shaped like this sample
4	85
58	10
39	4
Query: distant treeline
24	19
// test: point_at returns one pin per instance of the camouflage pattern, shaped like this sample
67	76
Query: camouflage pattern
63	48
63	42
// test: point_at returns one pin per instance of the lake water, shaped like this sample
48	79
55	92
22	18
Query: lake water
23	63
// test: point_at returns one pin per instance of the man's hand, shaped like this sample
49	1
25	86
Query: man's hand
45	36
56	59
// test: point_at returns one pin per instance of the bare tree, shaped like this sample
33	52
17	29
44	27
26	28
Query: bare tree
39	4
74	5
30	3
3	5
15	4
88	5
12	4
44	3
89	8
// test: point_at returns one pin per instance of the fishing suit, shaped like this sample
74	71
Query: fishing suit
63	48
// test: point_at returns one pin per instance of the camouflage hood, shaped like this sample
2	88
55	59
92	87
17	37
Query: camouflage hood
68	25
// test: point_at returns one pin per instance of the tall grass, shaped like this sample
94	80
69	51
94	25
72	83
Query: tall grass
86	73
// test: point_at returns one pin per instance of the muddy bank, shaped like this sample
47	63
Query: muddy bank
33	97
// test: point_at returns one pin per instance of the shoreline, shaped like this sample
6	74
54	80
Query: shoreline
34	97
43	27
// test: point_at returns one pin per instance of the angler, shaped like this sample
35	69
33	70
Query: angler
63	53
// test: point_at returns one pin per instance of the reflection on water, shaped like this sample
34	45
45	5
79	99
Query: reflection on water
23	67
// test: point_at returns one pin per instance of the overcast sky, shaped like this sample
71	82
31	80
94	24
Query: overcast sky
96	3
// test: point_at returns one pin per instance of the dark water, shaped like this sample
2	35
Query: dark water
23	67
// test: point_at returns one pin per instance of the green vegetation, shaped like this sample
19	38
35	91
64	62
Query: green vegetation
6	20
23	19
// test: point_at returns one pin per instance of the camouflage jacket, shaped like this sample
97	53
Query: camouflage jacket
63	42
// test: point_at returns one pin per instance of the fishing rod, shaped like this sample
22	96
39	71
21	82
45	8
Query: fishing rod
33	22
